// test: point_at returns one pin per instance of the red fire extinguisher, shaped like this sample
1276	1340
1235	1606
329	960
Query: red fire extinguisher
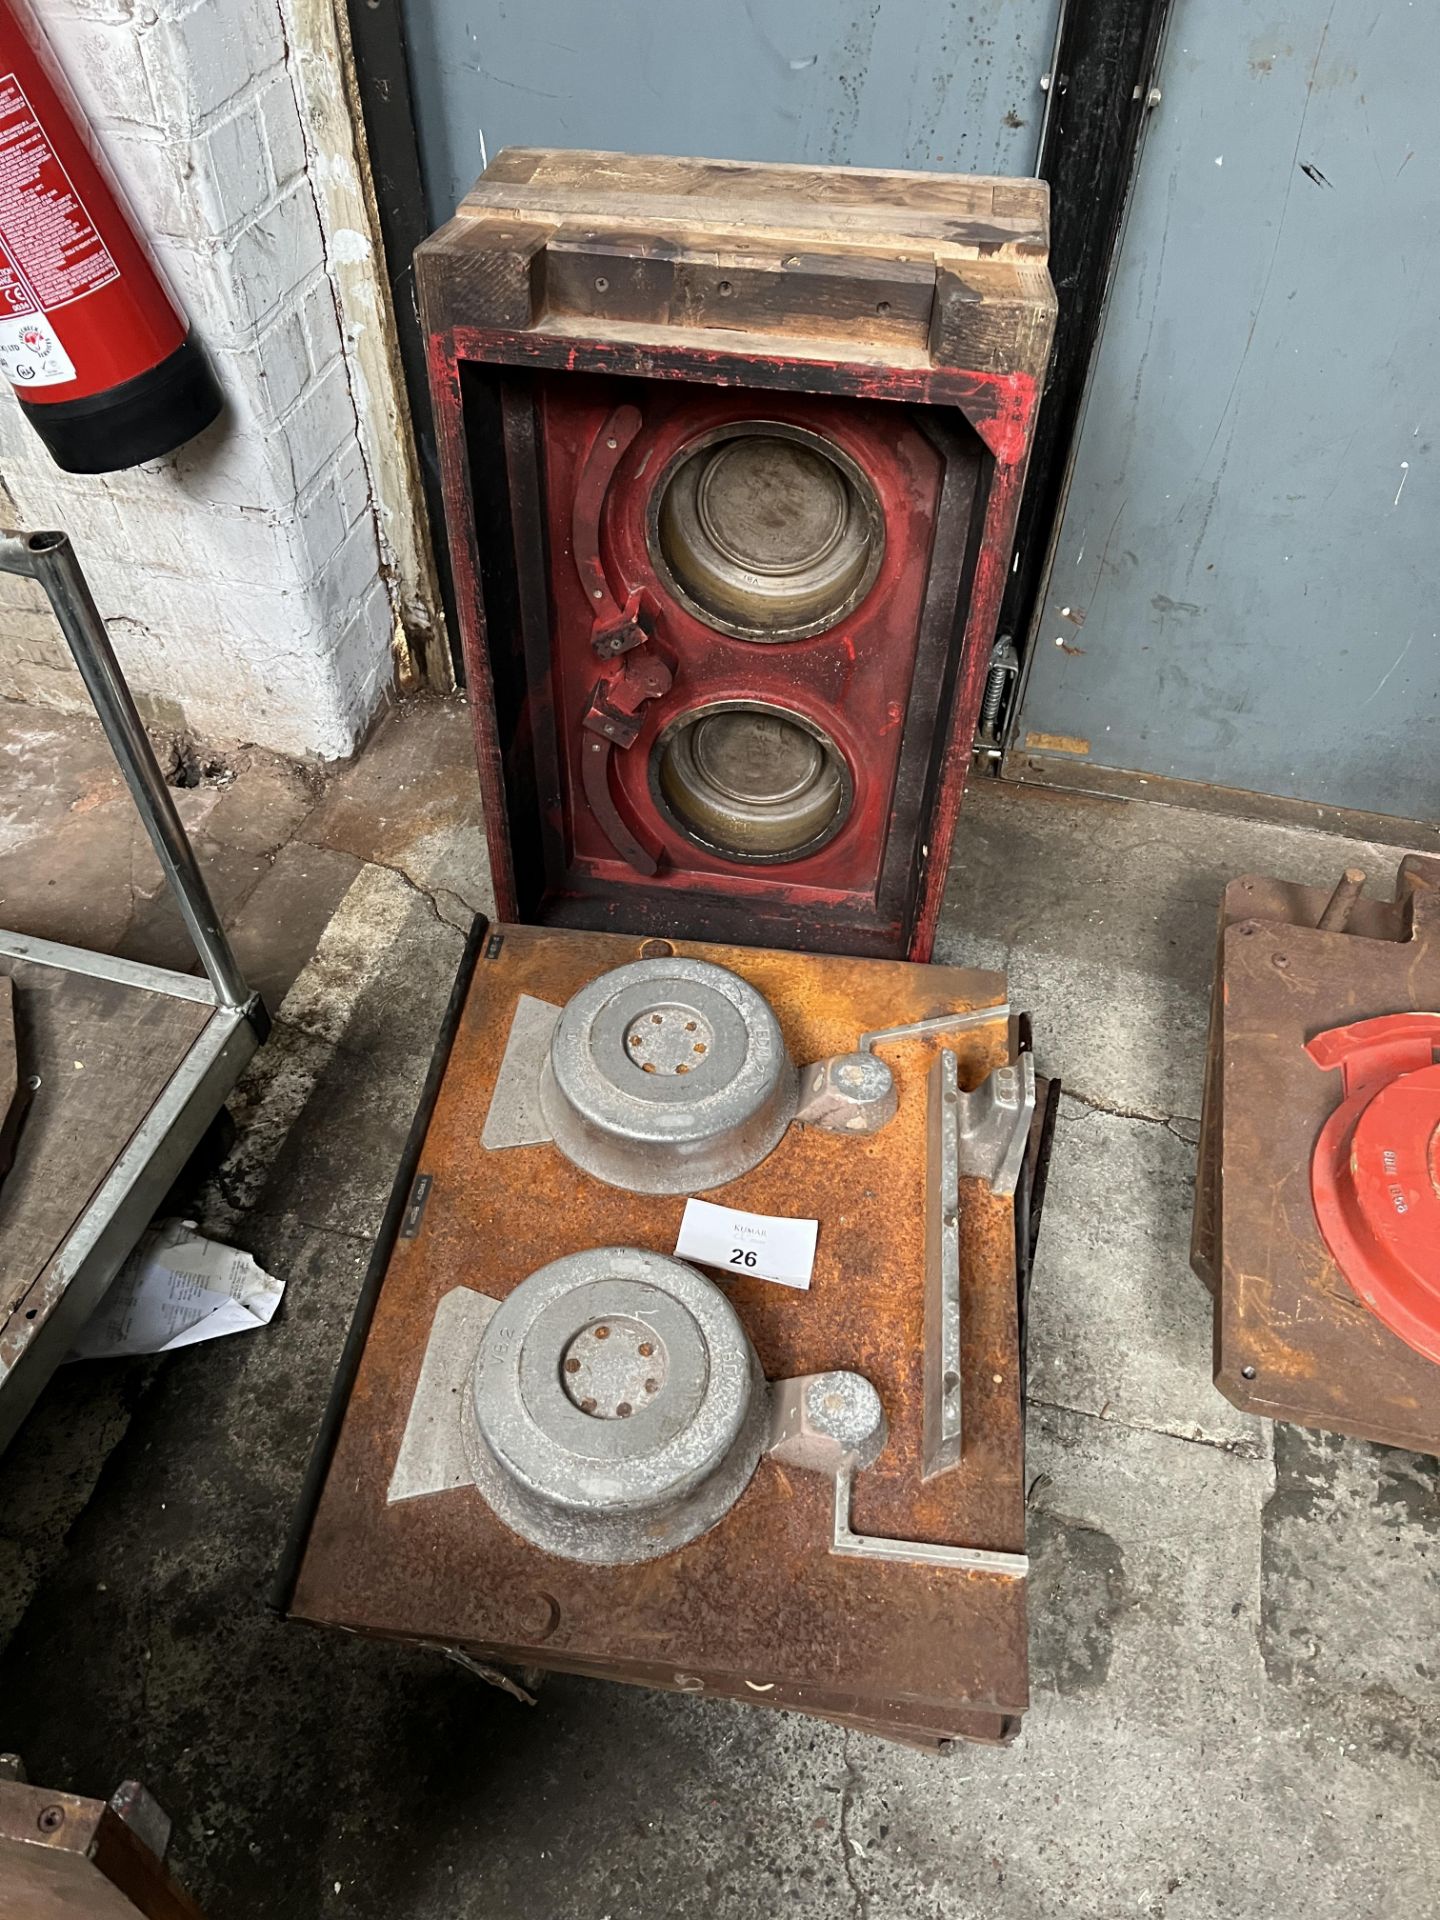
102	359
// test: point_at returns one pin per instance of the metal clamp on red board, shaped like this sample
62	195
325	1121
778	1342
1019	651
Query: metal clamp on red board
1375	1174
612	719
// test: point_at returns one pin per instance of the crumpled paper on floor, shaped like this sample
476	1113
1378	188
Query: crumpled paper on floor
176	1289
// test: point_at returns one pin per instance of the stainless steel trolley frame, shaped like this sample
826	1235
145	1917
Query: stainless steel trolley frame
59	1251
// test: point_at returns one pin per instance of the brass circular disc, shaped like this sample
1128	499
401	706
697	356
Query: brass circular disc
770	505
766	531
751	781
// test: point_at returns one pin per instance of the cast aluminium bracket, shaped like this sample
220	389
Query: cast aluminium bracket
981	1135
977	1135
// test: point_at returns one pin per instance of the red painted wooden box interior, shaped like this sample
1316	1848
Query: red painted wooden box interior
730	524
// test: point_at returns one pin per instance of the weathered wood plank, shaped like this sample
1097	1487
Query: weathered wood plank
906	191
495	277
688	283
996	316
949	266
799	222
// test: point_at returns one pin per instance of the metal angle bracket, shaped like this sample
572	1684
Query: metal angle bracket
943	1405
928	1553
937	1023
981	1135
833	1423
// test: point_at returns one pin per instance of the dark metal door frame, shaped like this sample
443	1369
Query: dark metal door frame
382	82
1101	81
1102	91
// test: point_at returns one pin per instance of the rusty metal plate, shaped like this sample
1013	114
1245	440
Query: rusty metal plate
1292	1340
66	1858
1287	903
758	1608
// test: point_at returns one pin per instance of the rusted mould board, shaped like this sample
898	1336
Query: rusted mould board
930	1729
1287	904
1291	1338
758	1602
67	1858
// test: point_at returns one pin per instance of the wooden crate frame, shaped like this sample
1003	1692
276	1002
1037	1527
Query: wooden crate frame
924	290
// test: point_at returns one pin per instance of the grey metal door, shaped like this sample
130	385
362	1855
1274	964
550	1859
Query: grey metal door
887	83
1244	588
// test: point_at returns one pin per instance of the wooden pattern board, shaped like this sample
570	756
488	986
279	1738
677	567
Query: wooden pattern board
923	290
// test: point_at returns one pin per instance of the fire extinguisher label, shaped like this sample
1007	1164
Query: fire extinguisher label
46	228
30	355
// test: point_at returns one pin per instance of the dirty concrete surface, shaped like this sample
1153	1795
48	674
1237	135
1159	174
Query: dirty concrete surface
1233	1625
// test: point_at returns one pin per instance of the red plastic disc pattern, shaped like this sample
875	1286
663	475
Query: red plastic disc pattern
1375	1174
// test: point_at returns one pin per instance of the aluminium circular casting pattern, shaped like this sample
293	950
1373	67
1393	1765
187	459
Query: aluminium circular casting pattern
668	1076
750	780
618	1407
766	531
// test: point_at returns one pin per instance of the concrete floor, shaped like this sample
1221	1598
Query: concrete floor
1236	1693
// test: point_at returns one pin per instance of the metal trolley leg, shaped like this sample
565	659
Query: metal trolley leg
50	559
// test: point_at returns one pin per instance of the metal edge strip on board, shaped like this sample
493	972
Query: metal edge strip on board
943	1405
861	1546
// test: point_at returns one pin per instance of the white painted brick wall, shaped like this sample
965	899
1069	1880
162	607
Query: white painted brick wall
240	578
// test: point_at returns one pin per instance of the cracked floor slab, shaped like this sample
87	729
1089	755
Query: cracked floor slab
75	864
1103	912
1351	1595
411	801
1166	1789
1119	1326
325	1107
